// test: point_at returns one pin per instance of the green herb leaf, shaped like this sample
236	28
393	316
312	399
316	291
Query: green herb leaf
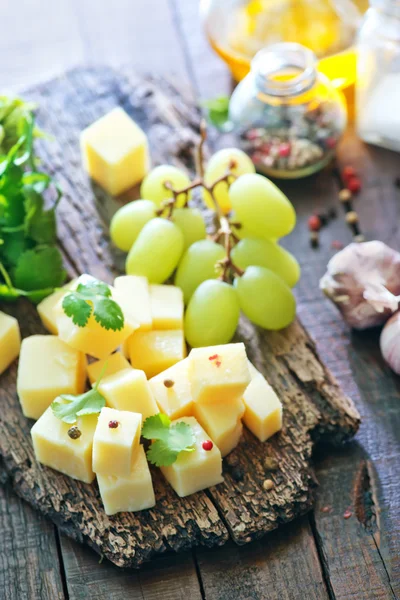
93	297
217	109
68	408
168	439
39	268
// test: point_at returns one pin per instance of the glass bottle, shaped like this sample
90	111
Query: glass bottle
378	75
288	117
238	29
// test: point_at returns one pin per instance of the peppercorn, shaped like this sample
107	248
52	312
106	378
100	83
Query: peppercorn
354	185
359	238
347	514
271	464
324	219
169	383
314	223
314	239
332	213
268	485
113	424
348	173
337	245
351	217
74	432
207	445
345	195
284	150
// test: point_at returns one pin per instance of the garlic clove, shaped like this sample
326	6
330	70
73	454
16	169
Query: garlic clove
363	281
390	343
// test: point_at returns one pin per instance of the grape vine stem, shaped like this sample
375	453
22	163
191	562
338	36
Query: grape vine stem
224	228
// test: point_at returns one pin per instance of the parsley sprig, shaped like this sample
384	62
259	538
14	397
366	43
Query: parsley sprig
93	297
30	263
68	407
169	440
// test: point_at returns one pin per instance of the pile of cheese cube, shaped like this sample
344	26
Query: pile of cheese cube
213	390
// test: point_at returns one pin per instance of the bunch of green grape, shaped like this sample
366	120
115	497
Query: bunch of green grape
165	237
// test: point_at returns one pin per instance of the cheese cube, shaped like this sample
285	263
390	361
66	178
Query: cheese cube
219	373
197	470
115	448
155	351
166	306
115	152
116	362
54	448
10	341
130	494
135	292
263	409
175	401
46	307
129	390
221	422
93	339
48	368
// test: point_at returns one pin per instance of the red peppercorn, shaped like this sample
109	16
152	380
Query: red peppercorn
113	424
265	148
207	445
284	150
331	142
314	223
347	514
348	173
256	158
354	185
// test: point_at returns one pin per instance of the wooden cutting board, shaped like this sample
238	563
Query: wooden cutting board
315	409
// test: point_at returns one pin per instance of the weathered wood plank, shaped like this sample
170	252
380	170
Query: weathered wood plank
29	561
314	405
283	565
168	577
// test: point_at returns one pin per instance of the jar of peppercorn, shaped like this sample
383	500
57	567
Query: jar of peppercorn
288	116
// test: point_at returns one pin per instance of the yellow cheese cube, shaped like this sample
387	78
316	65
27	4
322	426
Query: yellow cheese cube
129	390
115	152
134	290
219	373
166	306
10	341
93	339
263	409
155	351
115	448
46	307
128	494
54	448
221	422
48	368
175	401
114	363
197	470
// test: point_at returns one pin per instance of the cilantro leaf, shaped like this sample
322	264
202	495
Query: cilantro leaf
93	297
168	439
39	268
217	109
156	427
77	308
39	224
68	408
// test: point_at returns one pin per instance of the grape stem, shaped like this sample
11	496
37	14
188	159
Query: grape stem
225	229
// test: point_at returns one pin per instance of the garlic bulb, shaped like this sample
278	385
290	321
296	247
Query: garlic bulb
363	280
390	343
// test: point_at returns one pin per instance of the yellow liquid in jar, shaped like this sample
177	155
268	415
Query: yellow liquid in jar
261	22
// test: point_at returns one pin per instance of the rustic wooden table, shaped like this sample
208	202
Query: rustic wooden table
321	556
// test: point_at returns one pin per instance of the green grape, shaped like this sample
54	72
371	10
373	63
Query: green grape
153	184
198	264
265	298
261	208
268	254
156	252
190	221
129	220
217	167
212	314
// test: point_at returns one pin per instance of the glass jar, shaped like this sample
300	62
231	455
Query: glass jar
238	29
288	117
378	75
